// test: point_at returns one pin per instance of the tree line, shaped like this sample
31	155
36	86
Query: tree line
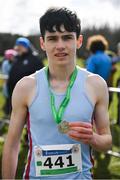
7	40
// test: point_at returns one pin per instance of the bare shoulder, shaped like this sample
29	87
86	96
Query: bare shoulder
96	80
24	88
26	83
97	87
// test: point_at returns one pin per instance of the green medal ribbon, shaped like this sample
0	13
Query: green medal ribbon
59	114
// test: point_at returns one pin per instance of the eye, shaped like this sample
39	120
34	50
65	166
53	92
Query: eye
52	39
67	37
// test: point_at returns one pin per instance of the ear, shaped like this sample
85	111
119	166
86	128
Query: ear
79	41
42	45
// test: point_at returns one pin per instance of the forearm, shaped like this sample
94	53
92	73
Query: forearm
101	142
9	162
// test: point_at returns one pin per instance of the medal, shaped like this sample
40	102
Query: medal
63	127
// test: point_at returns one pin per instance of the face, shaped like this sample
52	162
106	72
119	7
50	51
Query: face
20	49
61	47
11	58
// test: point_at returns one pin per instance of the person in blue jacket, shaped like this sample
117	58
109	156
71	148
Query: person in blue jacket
99	62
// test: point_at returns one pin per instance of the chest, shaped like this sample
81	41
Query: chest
78	109
59	86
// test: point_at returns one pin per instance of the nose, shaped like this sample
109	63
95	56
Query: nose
60	45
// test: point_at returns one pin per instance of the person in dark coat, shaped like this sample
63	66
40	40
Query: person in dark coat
27	62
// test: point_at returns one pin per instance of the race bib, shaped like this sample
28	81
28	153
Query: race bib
53	160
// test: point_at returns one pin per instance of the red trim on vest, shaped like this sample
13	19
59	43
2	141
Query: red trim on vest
91	157
30	149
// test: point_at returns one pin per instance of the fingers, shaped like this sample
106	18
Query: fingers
81	127
85	141
81	124
79	135
82	130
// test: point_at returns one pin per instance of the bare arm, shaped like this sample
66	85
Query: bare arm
11	147
101	139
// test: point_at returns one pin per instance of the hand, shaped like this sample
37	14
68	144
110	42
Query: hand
81	131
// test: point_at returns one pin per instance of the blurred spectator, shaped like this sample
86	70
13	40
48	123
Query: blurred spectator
112	55
99	62
9	57
27	62
116	65
117	58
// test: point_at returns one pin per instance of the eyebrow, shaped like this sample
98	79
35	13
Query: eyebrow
55	36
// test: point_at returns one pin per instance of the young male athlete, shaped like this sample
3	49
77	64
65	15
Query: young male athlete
60	102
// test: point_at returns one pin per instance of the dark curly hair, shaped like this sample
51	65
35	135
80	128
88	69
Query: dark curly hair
55	17
97	43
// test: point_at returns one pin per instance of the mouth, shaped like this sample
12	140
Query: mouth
61	54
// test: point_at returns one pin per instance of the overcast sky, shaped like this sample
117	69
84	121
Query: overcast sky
22	16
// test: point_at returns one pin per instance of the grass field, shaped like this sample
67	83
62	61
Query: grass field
106	166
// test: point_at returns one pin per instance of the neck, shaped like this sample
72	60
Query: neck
61	73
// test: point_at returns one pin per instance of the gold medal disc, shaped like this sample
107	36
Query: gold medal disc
63	127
